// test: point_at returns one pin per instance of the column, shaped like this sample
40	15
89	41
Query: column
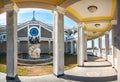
114	48
75	47
85	47
72	49
58	45
118	39
11	20
80	43
93	50
49	46
100	47
107	45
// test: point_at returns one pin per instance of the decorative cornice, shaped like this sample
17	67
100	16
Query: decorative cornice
60	10
107	32
81	25
10	7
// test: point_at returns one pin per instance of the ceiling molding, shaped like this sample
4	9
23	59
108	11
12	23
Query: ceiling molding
99	29
94	18
53	2
1	4
67	3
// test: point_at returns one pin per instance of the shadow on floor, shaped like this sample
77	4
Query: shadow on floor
94	58
97	66
90	79
14	80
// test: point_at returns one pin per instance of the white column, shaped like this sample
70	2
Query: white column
85	47
72	49
107	45
49	45
11	21
80	47
75	47
100	47
118	39
114	48
58	45
93	50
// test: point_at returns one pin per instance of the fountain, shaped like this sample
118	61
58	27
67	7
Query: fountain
34	51
34	57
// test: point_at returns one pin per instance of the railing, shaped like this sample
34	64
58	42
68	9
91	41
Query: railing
23	38
26	39
45	39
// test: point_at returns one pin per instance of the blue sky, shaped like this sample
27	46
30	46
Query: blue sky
45	16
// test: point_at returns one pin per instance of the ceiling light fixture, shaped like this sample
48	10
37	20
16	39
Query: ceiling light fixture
92	8
97	25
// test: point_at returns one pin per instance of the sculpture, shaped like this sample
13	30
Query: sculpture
34	51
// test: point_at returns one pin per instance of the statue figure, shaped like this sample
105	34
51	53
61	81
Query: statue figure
34	51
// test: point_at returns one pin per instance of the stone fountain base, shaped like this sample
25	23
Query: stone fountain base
24	59
34	57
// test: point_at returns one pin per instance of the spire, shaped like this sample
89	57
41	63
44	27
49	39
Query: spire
33	16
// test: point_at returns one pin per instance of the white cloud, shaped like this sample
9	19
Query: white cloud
3	18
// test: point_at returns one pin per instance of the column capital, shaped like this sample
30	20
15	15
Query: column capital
60	10
100	37
85	32
11	6
107	32
81	25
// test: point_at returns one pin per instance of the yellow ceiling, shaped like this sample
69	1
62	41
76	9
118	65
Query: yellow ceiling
53	2
104	26
105	12
1	4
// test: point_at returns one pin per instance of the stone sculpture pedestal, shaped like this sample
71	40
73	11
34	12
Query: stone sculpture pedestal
34	51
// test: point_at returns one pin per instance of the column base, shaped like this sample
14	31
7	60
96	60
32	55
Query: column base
85	60
106	60
59	75
11	78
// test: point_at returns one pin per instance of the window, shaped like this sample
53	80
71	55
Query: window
4	36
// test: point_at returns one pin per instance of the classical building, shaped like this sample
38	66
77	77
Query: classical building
35	29
94	19
30	32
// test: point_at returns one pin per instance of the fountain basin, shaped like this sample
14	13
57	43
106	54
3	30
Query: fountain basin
24	59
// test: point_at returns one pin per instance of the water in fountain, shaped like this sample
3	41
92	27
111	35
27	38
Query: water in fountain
34	57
